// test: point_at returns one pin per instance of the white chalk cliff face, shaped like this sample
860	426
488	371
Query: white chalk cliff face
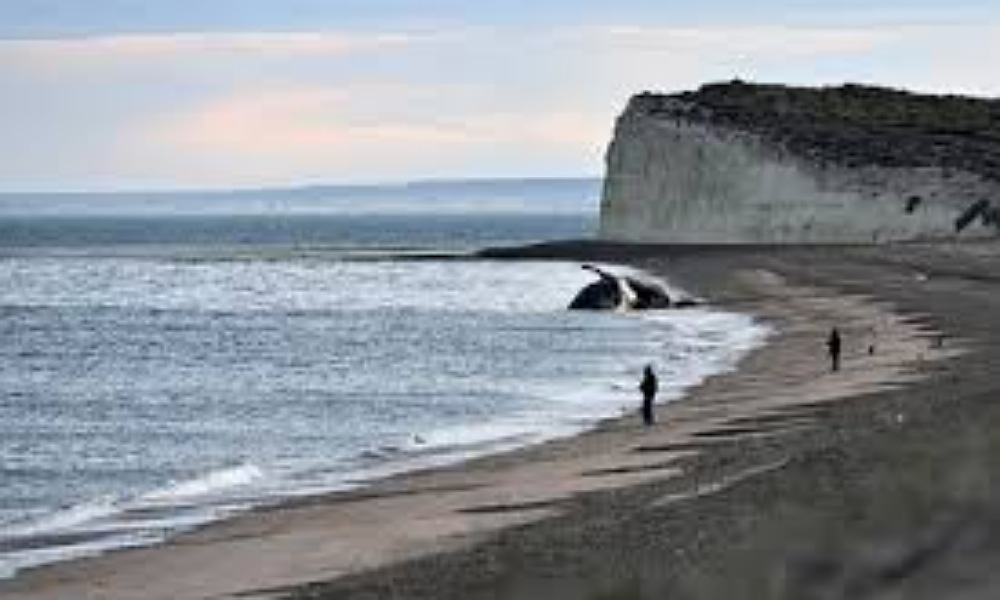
675	179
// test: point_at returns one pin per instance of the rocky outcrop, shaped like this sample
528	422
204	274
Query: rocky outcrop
741	163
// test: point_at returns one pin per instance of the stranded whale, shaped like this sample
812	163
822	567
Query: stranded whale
612	292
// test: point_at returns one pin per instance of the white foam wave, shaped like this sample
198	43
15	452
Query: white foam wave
473	434
65	520
109	524
209	484
12	563
689	346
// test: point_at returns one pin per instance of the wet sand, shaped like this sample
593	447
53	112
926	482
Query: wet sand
751	474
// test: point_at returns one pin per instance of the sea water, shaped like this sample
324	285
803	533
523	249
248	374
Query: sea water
158	372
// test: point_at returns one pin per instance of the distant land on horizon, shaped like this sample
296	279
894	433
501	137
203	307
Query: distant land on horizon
533	194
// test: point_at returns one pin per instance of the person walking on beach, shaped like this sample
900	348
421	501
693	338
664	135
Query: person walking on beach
833	347
648	388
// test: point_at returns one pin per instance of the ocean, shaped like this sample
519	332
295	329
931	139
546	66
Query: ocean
169	360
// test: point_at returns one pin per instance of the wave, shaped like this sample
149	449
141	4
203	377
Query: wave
95	527
560	401
209	484
63	520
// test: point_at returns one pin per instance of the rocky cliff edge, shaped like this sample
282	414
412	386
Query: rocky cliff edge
745	163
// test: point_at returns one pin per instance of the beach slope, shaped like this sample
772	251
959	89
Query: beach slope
778	480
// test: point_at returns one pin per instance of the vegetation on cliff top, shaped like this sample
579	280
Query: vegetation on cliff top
851	125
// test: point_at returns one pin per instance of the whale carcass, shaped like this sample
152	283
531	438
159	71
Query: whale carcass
612	292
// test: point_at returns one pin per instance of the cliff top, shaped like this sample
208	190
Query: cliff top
851	125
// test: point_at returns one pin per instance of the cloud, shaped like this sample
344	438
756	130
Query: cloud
934	58
68	55
120	50
758	40
294	121
277	120
263	108
358	131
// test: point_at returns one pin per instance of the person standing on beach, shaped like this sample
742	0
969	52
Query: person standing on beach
833	347
648	388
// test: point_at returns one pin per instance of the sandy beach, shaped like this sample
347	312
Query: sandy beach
780	479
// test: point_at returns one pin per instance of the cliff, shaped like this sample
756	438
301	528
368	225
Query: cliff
742	163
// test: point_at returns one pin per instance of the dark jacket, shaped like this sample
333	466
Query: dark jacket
649	384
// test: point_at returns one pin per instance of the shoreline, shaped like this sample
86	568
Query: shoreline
396	462
456	509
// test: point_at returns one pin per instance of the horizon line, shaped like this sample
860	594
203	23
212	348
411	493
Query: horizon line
372	184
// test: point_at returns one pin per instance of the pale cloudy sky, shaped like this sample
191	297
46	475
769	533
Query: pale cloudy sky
113	94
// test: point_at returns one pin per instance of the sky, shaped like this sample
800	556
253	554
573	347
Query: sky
188	94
